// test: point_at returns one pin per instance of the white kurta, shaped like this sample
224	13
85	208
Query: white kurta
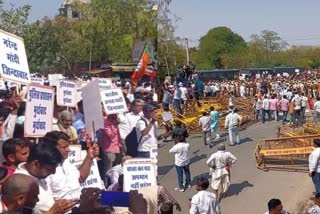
204	202
220	160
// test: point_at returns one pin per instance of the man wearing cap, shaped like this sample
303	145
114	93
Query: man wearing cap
220	163
177	98
147	131
314	165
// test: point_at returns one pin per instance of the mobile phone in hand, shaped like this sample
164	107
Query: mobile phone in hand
115	199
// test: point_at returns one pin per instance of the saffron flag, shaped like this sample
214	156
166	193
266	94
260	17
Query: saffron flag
142	66
310	102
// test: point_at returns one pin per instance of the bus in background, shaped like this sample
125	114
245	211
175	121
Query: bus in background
218	74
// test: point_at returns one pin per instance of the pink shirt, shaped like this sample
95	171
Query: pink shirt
111	136
284	104
273	104
10	170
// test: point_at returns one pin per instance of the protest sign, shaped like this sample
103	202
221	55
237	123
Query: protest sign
54	79
13	58
94	179
113	101
37	80
66	93
104	83
75	153
39	110
2	85
154	153
92	106
138	175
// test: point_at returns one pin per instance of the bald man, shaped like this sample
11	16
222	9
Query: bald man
18	192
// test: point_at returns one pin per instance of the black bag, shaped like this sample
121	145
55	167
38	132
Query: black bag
132	142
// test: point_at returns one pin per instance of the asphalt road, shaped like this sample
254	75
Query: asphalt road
250	188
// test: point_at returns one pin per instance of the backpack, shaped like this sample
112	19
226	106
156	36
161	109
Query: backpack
132	141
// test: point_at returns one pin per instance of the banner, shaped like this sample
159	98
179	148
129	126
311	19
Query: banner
138	175
13	58
113	101
154	153
92	106
39	110
66	94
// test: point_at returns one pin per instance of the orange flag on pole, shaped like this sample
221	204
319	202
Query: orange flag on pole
142	66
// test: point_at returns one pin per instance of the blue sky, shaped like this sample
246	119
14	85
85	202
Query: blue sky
295	21
40	8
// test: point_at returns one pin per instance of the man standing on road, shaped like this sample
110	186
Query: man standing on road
204	123
214	122
314	165
220	163
232	123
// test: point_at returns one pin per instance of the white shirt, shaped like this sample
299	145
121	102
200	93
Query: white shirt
65	182
204	202
265	104
314	158
46	200
220	159
8	127
315	209
181	154
204	122
297	102
133	119
148	140
184	93
304	101
317	106
124	126
231	120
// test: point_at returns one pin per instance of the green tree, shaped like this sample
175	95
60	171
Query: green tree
268	43
14	19
215	45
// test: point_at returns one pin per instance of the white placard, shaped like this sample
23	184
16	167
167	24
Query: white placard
138	175
13	58
104	83
2	85
258	76
92	106
54	79
278	75
66	93
94	179
113	101
75	153
37	80
154	153
39	110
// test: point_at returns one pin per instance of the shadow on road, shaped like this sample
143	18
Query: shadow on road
197	157
203	175
245	140
163	170
235	189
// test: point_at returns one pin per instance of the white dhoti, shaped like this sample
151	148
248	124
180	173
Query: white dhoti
220	177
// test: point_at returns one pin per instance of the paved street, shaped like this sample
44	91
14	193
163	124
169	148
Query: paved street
251	188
